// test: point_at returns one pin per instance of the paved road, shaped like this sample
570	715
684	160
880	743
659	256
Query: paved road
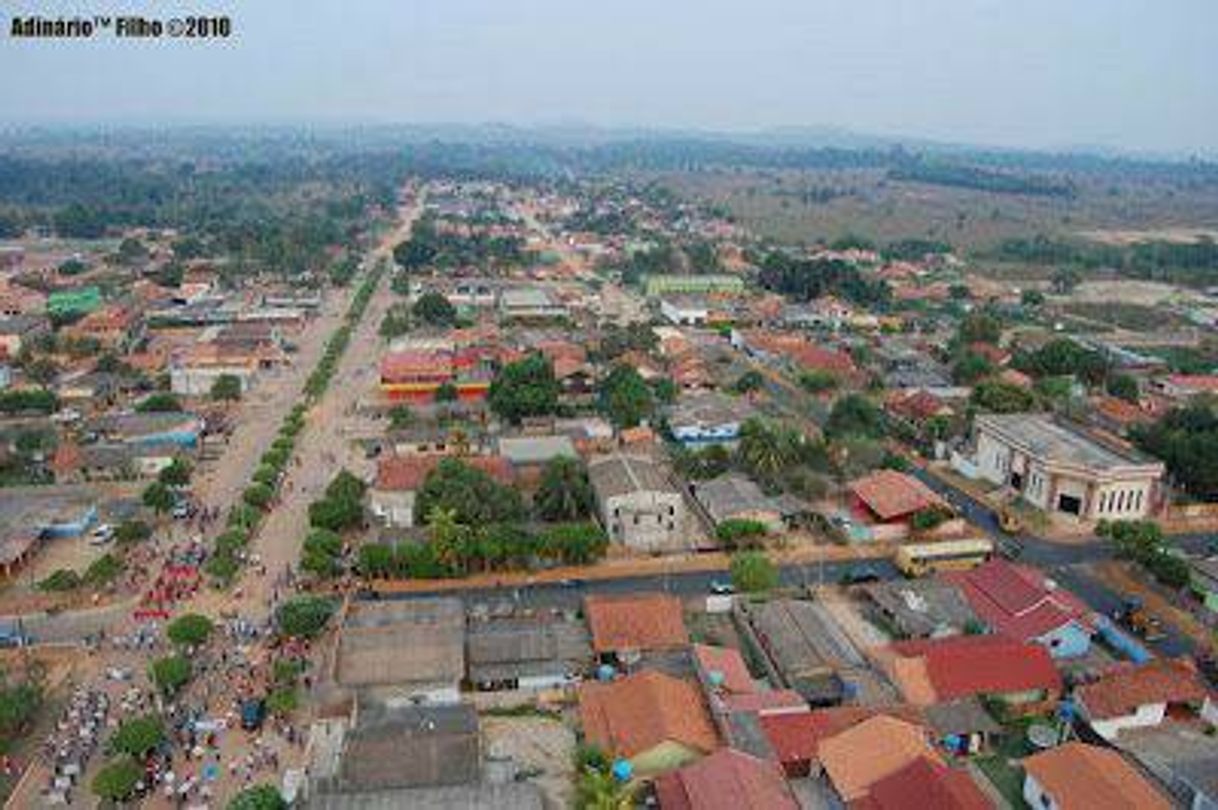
686	584
1067	563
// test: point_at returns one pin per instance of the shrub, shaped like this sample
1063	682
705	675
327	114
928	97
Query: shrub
928	518
243	516
132	531
283	700
740	532
102	571
63	579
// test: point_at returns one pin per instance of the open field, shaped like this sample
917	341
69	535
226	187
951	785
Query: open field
788	206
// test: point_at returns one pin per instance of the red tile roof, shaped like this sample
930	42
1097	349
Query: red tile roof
796	736
637	622
403	365
407	473
1018	600
1122	690
916	405
634	714
725	780
890	494
1195	382
962	666
875	749
1121	412
925	784
729	665
805	354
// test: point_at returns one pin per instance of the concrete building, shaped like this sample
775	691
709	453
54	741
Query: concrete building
1059	468
529	304
684	310
639	506
703	419
404	652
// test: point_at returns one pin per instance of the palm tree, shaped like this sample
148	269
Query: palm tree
447	537
564	493
765	451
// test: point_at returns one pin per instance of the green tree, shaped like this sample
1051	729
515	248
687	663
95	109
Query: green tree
740	533
979	327
971	367
1003	397
190	630
227	387
818	381
474	497
137	736
1123	386
1065	279
258	495
117	780
1032	298
765	450
748	382
162	402
177	474
158	497
304	616
447	392
752	571
434	309
564	492
625	398
258	797
524	388
400	417
855	415
1186	439
170	673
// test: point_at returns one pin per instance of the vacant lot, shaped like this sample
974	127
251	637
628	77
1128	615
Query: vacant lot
806	206
538	745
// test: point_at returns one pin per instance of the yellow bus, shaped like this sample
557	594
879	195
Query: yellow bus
918	559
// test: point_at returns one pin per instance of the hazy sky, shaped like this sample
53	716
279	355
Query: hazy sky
1139	74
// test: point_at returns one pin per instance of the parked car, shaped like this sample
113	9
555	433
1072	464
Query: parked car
861	573
253	713
101	535
721	587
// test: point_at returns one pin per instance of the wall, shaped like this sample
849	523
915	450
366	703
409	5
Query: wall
1150	714
1071	641
1035	795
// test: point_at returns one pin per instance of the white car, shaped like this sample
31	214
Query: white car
101	535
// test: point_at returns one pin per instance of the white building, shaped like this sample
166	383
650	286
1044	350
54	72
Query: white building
1058	468
684	311
639	506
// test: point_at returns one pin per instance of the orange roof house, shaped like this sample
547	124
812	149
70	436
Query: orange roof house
656	721
1130	696
1076	776
726	780
863	755
889	495
635	623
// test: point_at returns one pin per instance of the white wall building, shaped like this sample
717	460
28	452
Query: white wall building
1058	468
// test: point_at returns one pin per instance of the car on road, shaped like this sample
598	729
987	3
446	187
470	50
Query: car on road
860	574
721	587
183	509
101	535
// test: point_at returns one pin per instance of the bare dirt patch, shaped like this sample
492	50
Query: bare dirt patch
541	746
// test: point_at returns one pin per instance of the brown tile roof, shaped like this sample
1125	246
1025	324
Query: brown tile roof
634	714
1081	777
795	737
726	780
890	494
407	473
877	748
1121	412
1121	691
635	622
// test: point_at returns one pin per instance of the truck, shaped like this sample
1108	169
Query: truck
1134	617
